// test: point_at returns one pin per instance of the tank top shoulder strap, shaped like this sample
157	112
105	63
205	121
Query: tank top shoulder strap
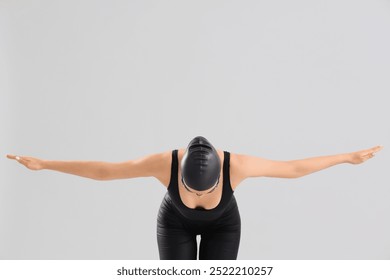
226	172
174	169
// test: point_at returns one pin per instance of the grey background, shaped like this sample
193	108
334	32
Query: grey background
117	80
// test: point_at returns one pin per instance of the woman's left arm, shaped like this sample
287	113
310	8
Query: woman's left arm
246	166
309	165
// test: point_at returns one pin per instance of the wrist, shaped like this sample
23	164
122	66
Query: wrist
45	164
346	158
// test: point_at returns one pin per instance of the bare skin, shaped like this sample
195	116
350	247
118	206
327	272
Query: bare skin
159	166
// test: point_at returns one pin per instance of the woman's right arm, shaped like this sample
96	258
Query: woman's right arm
152	165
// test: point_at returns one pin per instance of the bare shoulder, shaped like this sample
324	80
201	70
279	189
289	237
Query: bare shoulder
236	171
161	166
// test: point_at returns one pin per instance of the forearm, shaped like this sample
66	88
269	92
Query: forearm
306	166
89	169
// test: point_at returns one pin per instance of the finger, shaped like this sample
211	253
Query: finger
367	156
368	153
17	158
23	160
377	149
20	159
373	150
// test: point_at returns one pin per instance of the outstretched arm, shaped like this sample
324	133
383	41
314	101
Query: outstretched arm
248	166
306	166
151	165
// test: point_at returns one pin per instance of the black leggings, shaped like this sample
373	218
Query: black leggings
176	235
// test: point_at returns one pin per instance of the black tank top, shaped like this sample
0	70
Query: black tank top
227	199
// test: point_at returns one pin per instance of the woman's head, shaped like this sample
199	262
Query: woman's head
201	165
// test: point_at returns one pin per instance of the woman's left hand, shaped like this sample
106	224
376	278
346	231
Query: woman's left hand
363	155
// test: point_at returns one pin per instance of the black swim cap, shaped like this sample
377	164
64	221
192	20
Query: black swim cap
200	165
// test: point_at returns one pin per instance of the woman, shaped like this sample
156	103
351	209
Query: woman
199	198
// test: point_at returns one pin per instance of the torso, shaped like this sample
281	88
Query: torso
191	200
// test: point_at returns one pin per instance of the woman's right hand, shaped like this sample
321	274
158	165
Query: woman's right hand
29	162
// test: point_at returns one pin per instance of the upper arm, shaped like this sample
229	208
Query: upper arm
153	165
249	166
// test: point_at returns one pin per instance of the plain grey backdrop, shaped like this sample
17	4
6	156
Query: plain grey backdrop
117	80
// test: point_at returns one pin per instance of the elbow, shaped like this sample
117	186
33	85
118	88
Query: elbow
100	177
102	173
296	172
295	176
